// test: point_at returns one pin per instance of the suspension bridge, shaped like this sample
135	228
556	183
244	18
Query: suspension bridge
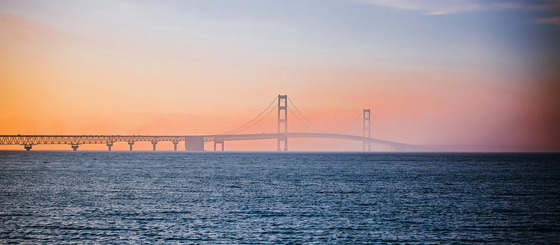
195	143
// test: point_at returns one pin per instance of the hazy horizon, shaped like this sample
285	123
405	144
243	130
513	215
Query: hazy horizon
467	75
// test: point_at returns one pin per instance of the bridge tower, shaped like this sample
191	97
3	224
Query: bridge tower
367	128
282	121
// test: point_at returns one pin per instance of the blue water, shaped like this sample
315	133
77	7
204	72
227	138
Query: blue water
213	198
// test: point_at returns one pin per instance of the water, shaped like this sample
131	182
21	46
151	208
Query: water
213	198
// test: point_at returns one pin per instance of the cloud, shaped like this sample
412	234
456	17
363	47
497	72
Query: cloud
434	7
553	20
440	7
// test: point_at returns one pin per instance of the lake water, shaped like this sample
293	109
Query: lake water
214	198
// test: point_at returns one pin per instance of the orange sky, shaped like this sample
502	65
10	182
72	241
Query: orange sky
56	81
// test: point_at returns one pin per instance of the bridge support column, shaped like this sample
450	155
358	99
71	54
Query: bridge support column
130	143
367	129
75	147
282	139
218	141
109	145
282	119
27	147
175	145
154	143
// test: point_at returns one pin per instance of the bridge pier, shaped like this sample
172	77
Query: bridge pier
154	143
109	145
175	145
27	147
130	143
194	143
75	147
218	141
284	140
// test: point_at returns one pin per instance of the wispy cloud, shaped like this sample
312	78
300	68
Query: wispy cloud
553	20
433	7
440	7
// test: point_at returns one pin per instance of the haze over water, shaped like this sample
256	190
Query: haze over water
225	198
463	75
446	75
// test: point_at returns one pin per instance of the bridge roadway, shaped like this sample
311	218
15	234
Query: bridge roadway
307	135
75	140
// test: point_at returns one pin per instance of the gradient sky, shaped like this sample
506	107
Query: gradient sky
464	74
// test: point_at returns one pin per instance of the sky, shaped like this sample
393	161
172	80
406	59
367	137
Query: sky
462	75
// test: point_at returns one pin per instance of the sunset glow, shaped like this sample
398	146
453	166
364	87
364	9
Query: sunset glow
467	75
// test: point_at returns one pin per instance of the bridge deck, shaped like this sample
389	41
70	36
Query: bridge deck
29	140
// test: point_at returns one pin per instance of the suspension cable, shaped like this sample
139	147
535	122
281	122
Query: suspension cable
353	123
301	114
305	123
245	126
256	122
